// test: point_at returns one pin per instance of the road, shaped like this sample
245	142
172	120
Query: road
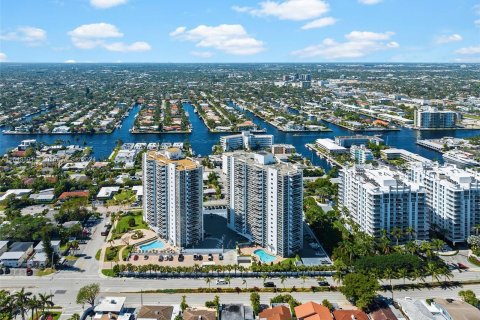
65	284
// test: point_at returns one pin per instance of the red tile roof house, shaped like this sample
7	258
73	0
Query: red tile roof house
350	314
74	194
312	311
276	313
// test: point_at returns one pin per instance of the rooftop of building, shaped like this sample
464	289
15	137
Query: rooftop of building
263	159
199	314
155	312
382	178
180	163
110	304
458	309
312	310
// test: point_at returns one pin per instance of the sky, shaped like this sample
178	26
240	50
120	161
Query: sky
240	31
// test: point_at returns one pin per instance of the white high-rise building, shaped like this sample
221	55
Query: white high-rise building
173	196
381	199
246	140
265	201
453	198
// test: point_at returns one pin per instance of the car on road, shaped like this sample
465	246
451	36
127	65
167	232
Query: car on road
269	285
221	282
323	283
461	266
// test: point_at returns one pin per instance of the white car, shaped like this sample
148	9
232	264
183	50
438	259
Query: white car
221	282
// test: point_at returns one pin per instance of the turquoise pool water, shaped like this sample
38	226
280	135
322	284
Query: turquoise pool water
264	257
157	244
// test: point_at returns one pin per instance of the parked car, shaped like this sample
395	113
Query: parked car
170	258
29	272
160	258
200	257
461	266
145	257
220	256
210	257
269	285
135	257
181	257
195	257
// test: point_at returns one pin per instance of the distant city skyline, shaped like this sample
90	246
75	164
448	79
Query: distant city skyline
240	31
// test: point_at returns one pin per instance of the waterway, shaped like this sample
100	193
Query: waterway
202	140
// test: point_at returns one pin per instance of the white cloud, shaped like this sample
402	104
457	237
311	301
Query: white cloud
230	38
202	54
178	31
138	46
358	44
3	57
70	61
320	23
477	22
369	2
96	30
476	9
90	36
469	50
288	9
241	9
447	38
29	35
105	4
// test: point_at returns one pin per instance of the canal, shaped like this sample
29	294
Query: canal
202	140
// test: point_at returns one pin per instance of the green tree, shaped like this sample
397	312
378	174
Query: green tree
183	303
45	301
469	297
21	299
255	301
88	294
361	289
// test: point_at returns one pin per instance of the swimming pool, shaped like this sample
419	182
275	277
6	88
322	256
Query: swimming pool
264	257
157	244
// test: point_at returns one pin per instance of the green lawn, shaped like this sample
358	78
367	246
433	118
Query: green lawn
123	226
111	254
45	272
108	272
97	255
124	197
471	116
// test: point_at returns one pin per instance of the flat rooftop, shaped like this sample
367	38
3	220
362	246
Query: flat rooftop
181	164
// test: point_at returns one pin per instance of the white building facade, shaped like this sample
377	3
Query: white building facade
265	201
246	140
382	199
173	197
453	199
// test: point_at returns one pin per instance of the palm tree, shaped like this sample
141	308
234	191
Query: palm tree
34	304
75	316
432	270
437	244
21	301
304	278
476	228
45	301
403	273
396	233
228	279
388	274
264	277
410	231
208	280
283	278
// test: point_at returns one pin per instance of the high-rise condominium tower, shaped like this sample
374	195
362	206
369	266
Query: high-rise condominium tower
265	200
173	196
